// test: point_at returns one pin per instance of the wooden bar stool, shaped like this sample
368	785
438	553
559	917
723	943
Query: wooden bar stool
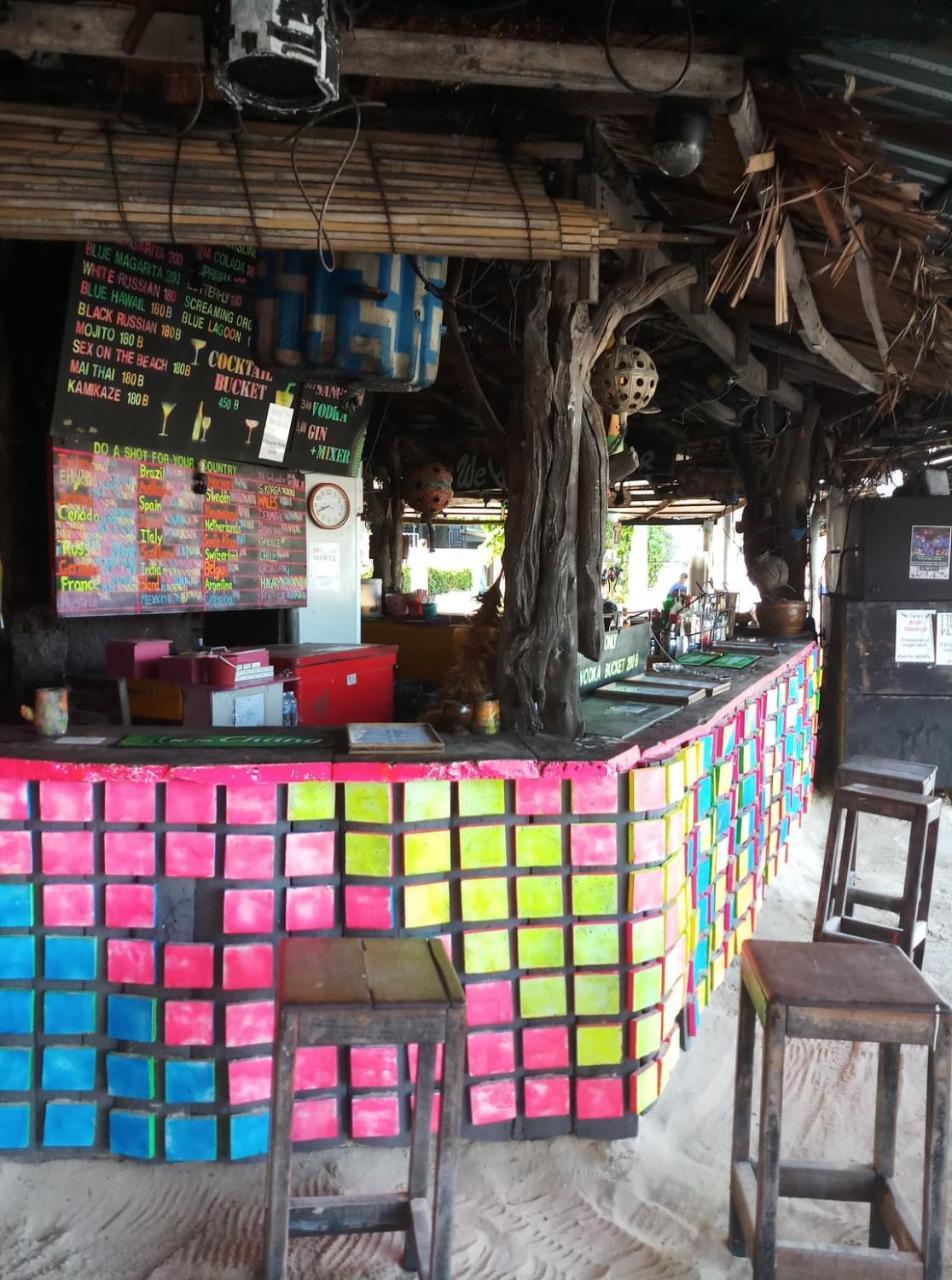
839	894
897	775
355	991
820	991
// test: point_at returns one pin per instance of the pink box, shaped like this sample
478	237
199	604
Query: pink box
490	1053
249	1080
248	910
314	1119
14	801
66	802
368	906
16	853
249	1023
66	853
538	795
191	802
130	960
309	853
248	968
544	1047
189	965
136	658
130	802
309	907
129	853
595	794
315	1067
189	853
547	1096
130	906
249	857
374	1117
181	668
189	1022
599	1098
221	668
493	1102
255	805
593	844
68	905
373	1066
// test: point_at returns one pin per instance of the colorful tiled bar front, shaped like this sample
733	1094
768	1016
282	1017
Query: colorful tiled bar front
591	910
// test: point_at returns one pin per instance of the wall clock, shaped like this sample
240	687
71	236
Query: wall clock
328	505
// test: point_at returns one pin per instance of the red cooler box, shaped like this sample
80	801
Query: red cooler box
339	684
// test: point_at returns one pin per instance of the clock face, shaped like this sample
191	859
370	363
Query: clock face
328	506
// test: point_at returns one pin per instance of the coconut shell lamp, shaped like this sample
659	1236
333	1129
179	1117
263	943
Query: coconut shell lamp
428	489
624	379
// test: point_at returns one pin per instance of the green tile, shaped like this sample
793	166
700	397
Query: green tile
310	801
367	802
598	1046
595	944
482	847
542	997
486	951
481	796
597	993
538	846
646	1035
486	899
539	896
541	948
425	852
645	987
594	895
423	801
425	905
647	939
366	855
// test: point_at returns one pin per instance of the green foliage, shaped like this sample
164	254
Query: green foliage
659	551
495	541
620	590
439	581
404	578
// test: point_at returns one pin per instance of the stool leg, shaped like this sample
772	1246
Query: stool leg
853	846
447	1155
743	1102
419	1176
279	1154
937	1151
829	864
925	897
768	1158
912	886
884	1148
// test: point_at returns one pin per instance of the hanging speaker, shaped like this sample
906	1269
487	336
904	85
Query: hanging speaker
278	57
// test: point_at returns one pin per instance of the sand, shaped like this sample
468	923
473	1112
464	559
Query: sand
652	1208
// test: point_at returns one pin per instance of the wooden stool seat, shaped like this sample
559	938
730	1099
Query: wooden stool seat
355	991
839	893
897	775
827	992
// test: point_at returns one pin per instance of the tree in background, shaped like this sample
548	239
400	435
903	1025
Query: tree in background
659	552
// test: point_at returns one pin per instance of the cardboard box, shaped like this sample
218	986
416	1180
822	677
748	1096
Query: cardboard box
135	659
247	706
155	701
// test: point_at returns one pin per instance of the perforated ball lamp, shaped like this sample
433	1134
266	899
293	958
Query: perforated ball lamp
624	379
428	489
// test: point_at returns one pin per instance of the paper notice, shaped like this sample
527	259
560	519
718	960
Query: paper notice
915	637
277	428
943	639
249	711
324	567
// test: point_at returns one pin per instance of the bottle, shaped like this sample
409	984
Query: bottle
289	709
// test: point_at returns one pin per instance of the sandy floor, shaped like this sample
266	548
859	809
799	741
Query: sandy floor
654	1208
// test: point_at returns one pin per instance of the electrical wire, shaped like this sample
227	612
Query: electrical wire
619	74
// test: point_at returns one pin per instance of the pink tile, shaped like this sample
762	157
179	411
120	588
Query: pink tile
66	853
130	802
373	1066
674	963
490	1053
315	1067
189	1022
309	853
488	1002
372	1117
248	910
675	821
189	853
413	1054
599	1098
189	964
544	1047
130	960
649	840
249	1080
129	853
368	906
314	1119
647	890
191	802
594	844
493	1102
672	927
249	967
66	802
249	857
649	789
538	795
69	905
130	906
14	801
16	853
253	805
309	907
249	1023
547	1096
595	794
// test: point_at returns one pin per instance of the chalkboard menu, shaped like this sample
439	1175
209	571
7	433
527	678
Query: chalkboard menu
157	355
132	535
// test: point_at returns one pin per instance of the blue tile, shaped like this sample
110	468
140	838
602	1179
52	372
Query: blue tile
14	1126
18	956
16	905
68	1068
69	1124
132	1133
191	1138
16	1011
130	1017
249	1134
190	1081
69	959
69	1013
129	1076
16	1069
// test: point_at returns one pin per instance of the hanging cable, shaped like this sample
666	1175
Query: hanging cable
623	79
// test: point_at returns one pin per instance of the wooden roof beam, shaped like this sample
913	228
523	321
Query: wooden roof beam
98	31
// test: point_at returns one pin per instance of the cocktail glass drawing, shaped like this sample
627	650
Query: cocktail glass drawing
252	424
285	398
198	344
206	423
167	407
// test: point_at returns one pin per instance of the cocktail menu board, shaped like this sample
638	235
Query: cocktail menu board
133	536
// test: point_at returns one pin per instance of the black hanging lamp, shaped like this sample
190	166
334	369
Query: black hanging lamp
278	57
680	132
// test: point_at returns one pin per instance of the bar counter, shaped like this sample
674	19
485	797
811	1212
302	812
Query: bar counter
592	896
